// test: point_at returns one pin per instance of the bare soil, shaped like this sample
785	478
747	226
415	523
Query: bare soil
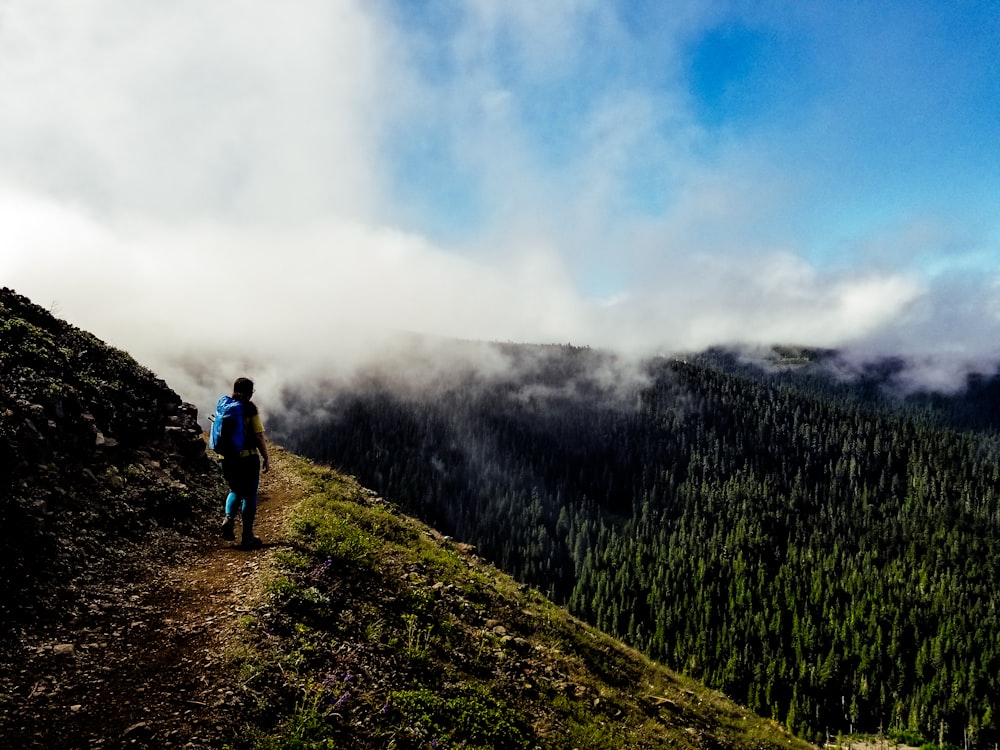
144	665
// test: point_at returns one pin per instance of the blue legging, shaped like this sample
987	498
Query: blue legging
243	477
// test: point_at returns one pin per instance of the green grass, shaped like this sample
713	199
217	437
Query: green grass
374	632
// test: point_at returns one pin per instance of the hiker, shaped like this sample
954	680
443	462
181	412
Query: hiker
242	469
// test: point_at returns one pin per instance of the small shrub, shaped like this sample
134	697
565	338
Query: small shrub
417	638
282	588
336	537
907	737
308	728
292	560
473	720
345	543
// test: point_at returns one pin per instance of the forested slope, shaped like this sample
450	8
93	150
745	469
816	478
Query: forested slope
821	557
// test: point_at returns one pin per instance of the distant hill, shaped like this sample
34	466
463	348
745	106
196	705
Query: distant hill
883	382
821	549
356	626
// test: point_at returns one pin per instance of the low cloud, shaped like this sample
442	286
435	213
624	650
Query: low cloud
214	299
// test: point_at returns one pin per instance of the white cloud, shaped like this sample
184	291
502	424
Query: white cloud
240	109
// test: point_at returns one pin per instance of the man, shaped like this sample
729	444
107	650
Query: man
242	472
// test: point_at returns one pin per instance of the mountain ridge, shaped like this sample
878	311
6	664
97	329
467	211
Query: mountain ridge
109	504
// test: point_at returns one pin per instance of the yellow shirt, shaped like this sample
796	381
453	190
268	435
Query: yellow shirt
252	426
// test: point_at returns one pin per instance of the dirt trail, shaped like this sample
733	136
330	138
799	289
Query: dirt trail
144	667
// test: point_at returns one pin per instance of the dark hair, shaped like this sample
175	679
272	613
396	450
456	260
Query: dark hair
243	387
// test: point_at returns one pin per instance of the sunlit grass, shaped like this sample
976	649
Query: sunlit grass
374	632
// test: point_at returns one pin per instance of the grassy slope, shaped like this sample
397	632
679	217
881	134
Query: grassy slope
374	632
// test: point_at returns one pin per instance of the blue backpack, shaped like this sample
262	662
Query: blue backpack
227	434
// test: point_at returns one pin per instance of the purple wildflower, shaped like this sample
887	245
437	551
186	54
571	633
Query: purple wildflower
322	568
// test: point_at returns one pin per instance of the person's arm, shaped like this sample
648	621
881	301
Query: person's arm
262	447
257	428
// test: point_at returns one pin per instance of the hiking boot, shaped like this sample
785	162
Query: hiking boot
228	531
251	542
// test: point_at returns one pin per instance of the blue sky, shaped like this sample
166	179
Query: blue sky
655	176
869	116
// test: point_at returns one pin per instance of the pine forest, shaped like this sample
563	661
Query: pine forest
818	549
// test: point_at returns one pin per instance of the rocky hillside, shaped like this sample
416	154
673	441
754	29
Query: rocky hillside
97	455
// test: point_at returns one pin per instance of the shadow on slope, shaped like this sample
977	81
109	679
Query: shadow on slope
96	455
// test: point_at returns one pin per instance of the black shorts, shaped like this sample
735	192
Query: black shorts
242	474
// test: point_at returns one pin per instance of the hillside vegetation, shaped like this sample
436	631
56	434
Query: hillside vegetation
815	549
373	631
357	626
